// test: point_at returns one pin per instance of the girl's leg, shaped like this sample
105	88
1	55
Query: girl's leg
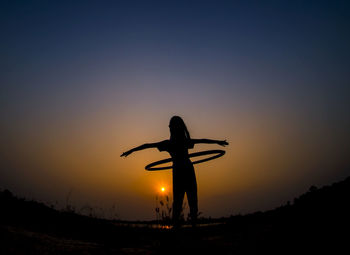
178	194
193	201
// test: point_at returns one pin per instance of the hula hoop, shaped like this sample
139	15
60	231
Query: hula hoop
219	153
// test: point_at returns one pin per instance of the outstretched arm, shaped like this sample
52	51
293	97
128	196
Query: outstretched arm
220	142
141	147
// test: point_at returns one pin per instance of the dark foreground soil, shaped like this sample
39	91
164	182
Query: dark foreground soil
316	222
246	238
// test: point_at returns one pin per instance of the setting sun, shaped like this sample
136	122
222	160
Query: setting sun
162	189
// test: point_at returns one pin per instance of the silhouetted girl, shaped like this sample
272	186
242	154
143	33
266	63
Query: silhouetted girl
184	178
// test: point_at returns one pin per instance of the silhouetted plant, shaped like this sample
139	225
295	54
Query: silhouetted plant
164	208
69	207
313	188
113	213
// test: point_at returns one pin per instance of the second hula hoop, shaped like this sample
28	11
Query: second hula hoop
217	154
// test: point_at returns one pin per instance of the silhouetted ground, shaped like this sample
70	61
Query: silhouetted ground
316	222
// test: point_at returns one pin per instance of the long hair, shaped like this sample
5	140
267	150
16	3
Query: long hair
178	129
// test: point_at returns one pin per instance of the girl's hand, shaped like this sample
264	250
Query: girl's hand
223	143
125	154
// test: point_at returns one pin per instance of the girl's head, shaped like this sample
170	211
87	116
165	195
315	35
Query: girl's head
178	129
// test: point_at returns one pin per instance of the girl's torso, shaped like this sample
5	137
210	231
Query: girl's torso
179	154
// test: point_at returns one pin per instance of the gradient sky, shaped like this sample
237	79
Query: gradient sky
83	81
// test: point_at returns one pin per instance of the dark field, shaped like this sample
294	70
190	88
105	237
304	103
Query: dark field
316	222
